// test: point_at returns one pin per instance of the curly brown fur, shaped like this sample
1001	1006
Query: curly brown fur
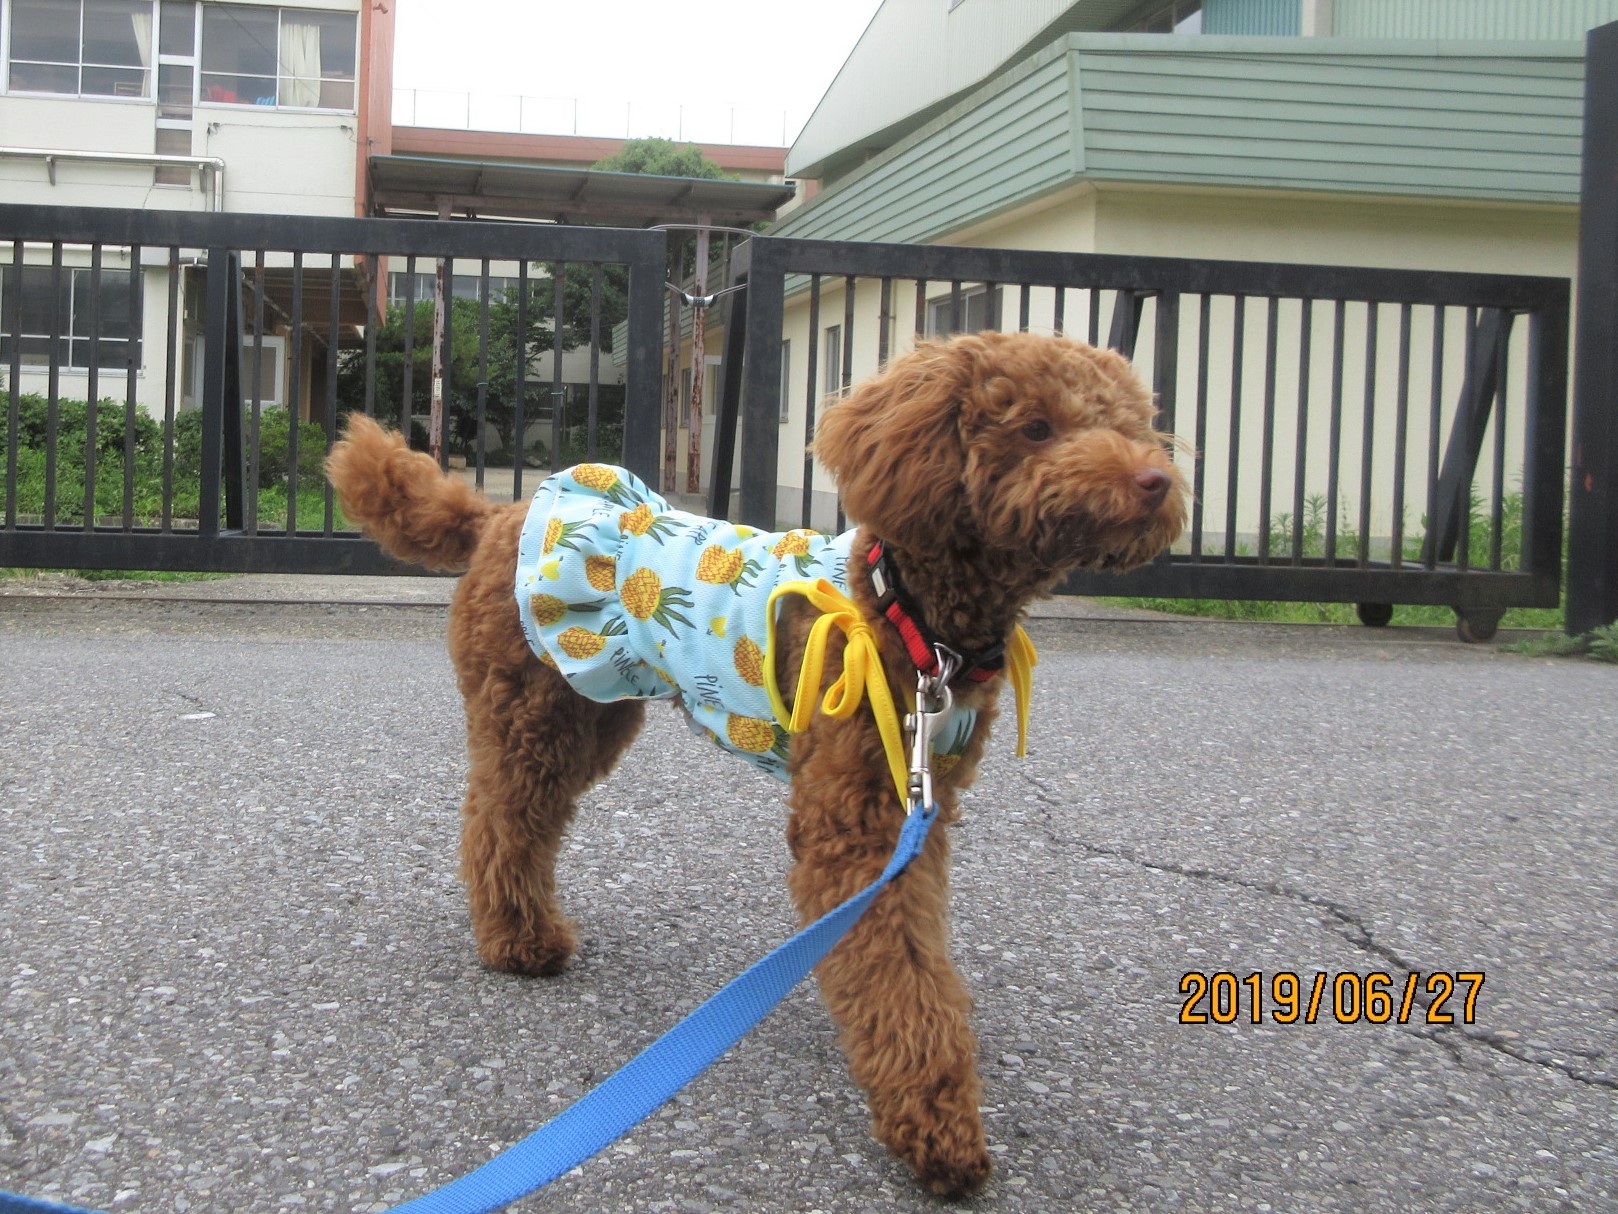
990	466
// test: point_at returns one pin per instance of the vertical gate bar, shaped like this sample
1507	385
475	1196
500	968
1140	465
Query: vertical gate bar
1093	307
593	413
1267	444
13	306
643	362
845	373
58	344
230	430
844	379
1435	418
1059	311
137	297
1544	435
1233	471
921	309
176	295
92	389
375	317
671	388
1466	410
255	420
1498	465
1166	360
444	390
217	290
1373	320
810	399
519	420
1401	423
1024	299
482	407
957	318
334	338
884	320
294	394
1199	472
558	408
407	398
727	419
762	388
1592	554
1306	323
1334	441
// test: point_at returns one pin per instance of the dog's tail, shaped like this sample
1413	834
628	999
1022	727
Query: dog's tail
402	500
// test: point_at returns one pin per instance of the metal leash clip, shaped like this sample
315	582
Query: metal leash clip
934	703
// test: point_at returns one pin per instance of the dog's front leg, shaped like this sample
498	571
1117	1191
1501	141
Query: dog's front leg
889	984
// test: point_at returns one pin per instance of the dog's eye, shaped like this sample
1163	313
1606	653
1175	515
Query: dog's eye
1037	432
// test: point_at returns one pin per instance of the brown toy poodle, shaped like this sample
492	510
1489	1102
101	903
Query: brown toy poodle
980	471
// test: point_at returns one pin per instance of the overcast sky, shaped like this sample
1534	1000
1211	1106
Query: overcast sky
752	68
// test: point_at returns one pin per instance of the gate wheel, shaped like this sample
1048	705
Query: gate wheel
1374	615
1475	627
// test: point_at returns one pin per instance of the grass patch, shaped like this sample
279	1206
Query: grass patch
118	575
1309	539
1600	646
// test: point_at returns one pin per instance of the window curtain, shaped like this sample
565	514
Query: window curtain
300	62
142	23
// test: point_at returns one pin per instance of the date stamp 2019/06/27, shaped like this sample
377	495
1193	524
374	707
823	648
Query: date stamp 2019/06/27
1284	997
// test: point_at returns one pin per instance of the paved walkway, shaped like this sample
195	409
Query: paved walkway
238	975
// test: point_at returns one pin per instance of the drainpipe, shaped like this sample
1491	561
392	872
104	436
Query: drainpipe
212	167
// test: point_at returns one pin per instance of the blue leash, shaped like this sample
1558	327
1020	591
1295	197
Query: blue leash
625	1097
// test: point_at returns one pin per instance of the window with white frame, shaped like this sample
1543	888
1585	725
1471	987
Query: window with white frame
462	286
831	375
290	58
60	307
294	58
83	48
973	317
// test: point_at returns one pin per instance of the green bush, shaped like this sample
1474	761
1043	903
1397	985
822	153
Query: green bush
114	431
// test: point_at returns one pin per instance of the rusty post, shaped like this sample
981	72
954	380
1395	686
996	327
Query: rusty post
699	365
671	387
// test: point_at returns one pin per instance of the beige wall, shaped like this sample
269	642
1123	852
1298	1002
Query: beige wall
1184	223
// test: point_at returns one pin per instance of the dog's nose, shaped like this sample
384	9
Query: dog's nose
1154	486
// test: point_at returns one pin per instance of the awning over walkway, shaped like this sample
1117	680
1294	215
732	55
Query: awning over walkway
421	185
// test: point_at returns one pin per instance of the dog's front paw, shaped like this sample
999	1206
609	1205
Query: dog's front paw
545	957
946	1150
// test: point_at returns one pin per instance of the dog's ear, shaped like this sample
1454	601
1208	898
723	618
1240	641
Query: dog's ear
894	445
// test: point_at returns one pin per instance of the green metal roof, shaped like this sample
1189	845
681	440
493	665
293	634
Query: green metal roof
1483	121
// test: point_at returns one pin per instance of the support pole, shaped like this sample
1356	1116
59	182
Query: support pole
1592	542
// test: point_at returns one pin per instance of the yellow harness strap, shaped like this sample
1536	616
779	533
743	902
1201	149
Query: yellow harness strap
863	675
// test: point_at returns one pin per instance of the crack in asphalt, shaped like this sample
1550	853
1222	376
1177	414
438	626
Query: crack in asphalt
1346	924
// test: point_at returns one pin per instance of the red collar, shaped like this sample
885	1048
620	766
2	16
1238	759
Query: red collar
922	646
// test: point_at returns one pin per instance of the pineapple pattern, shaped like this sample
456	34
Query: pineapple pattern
629	598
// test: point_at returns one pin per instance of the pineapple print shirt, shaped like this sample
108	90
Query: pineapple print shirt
631	599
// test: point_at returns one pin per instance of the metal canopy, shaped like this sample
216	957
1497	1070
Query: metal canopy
423	185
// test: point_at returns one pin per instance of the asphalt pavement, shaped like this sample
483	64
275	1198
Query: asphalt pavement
238	973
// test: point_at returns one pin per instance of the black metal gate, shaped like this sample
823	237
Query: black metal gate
1364	436
153	312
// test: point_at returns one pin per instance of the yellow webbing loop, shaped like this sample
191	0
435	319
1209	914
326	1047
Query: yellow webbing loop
862	672
863	675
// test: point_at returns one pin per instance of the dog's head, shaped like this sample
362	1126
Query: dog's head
1039	450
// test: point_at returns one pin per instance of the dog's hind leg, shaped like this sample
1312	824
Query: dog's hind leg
889	984
535	747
